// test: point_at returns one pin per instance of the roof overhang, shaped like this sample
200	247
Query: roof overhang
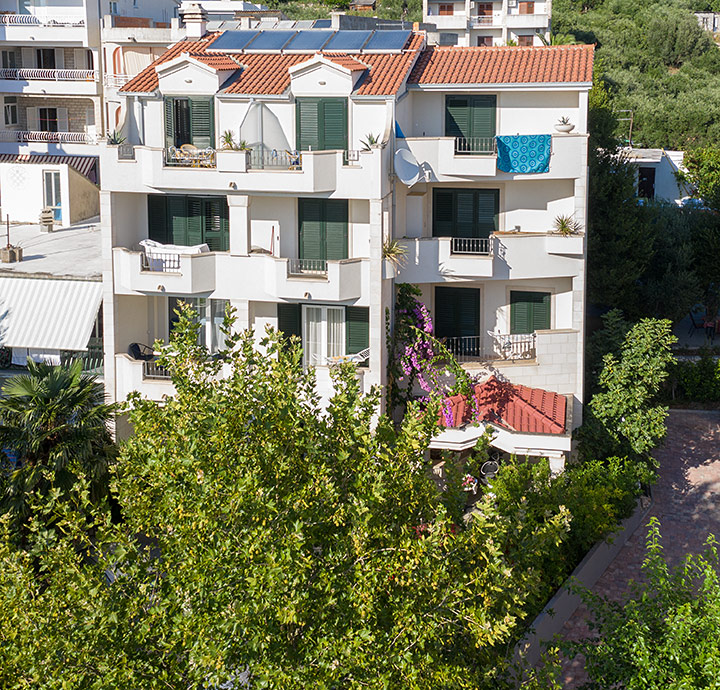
514	86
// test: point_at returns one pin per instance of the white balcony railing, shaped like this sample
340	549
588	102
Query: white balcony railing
116	81
484	21
34	20
47	137
50	74
190	157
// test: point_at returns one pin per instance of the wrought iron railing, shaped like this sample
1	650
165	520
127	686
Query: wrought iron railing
493	347
260	159
50	74
471	245
117	80
126	152
50	137
190	157
92	360
475	146
307	267
160	262
153	370
33	20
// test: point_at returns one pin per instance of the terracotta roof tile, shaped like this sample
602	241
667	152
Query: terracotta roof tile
504	65
514	407
267	74
347	61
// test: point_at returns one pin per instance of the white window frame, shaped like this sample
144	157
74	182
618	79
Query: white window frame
9	58
113	7
321	358
10	111
210	316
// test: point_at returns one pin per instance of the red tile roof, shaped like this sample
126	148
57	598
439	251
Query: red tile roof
504	65
267	74
347	61
513	407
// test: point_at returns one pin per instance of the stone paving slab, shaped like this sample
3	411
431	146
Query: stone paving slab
687	503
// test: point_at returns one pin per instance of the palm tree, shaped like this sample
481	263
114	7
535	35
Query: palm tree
54	424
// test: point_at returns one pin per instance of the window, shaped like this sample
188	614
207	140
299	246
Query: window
525	7
10	110
529	311
45	58
8	59
325	331
471	120
190	121
484	9
646	183
189	220
447	10
113	7
47	119
465	212
485	41
323	228
321	124
526	41
209	314
457	312
51	192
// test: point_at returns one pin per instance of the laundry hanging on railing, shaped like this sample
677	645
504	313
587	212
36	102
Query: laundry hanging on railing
524	153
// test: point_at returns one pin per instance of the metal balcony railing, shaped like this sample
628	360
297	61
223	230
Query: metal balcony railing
307	267
475	146
160	262
116	81
483	21
50	74
92	360
190	157
153	370
34	20
261	159
493	347
50	137
471	245
126	152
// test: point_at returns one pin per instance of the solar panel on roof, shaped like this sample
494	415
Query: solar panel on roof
286	24
308	41
322	24
304	24
348	41
271	40
390	41
232	41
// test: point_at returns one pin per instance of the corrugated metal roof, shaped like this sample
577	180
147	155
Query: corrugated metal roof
48	314
85	165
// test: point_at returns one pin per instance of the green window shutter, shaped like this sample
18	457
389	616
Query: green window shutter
488	206
541	312
215	233
157	218
464	213
443	212
468	311
177	217
195	220
457	312
482	116
308	124
311	240
202	122
357	329
169	122
457	116
336	229
335	126
289	319
529	311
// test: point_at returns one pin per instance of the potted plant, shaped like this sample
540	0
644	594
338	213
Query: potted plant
564	125
394	255
371	142
567	225
114	138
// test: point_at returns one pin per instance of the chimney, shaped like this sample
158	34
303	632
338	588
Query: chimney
195	18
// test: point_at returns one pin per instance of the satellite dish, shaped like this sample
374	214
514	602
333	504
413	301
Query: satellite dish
406	167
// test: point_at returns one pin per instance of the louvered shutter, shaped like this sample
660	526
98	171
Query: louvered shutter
29	58
215	232
445	313
482	114
334	124
63	124
468	311
312	242
541	312
443	205
457	116
59	58
357	329
157	218
169	122
464	213
195	220
488	203
529	311
177	219
32	119
336	229
202	122
80	55
307	117
289	319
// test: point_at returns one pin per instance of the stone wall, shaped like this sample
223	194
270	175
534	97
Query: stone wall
78	111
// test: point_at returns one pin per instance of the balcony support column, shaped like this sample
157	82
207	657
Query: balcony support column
380	293
239	206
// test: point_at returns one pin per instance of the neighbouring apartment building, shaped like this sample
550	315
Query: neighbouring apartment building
495	23
468	173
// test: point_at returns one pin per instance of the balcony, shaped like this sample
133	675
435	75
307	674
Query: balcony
48	82
493	347
13	135
117	81
449	21
486	22
44	26
188	156
441	259
307	268
528	21
148	378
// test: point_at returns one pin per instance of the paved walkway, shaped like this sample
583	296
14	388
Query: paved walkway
687	503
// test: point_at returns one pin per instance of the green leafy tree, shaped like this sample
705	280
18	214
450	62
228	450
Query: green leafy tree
54	424
703	175
665	635
625	419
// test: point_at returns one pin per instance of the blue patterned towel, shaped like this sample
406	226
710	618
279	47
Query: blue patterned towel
524	153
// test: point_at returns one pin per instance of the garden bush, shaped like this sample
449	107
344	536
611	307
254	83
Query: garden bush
696	380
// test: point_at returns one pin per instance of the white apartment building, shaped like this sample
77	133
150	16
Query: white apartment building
492	23
291	232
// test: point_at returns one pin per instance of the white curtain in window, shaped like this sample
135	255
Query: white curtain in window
335	332
313	337
218	314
